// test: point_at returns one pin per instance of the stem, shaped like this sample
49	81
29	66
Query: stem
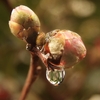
31	77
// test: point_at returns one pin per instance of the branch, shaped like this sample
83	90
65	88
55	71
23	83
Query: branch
31	77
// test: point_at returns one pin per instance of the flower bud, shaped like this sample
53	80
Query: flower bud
59	50
40	39
24	24
74	48
65	48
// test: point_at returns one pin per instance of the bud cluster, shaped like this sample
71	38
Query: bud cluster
58	49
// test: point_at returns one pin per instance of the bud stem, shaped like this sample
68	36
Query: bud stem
31	77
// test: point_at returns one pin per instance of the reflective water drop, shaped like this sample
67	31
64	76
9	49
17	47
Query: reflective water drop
55	77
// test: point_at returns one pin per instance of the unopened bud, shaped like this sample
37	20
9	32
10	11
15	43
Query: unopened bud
65	48
24	24
74	48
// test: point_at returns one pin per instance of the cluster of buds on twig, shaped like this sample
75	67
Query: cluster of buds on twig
58	49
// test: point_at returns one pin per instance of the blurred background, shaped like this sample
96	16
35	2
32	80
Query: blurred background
81	82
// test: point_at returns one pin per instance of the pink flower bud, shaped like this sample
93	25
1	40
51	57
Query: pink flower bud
74	49
65	48
24	23
62	49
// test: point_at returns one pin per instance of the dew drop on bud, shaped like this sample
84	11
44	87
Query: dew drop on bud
56	76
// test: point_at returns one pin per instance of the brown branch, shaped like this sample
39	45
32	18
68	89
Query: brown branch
32	75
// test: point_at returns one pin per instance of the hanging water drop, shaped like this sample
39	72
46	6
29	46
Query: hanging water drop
56	76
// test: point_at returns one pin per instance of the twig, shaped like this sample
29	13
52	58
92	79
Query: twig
32	75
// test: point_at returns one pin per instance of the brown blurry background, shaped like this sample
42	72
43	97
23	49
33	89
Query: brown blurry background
81	82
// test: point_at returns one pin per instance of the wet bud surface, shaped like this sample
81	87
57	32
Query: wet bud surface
62	49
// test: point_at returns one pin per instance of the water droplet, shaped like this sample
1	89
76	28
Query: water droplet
56	76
